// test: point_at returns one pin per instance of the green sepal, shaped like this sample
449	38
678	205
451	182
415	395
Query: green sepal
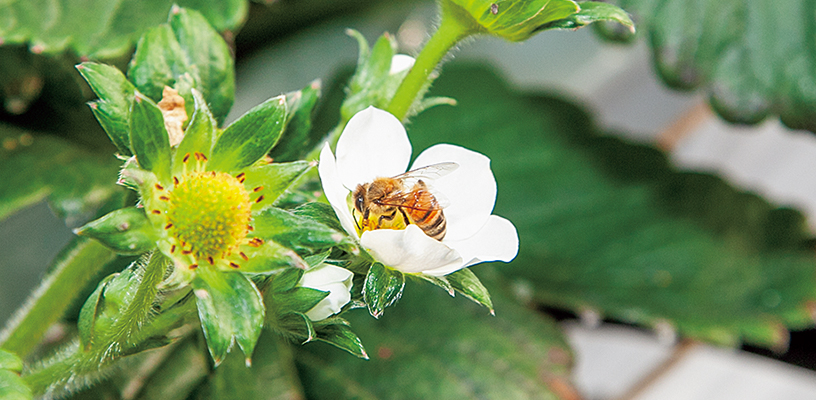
13	387
286	280
336	332
125	231
276	178
89	312
294	231
298	299
592	11
230	308
157	62
268	257
10	361
148	137
315	259
320	212
112	109
199	136
513	20
210	59
465	282
296	139
249	138
382	288
296	325
440	281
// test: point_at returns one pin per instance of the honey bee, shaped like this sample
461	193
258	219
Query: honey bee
396	202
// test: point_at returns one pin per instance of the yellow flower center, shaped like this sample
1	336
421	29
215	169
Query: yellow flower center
209	214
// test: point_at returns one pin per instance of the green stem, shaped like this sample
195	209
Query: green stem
453	28
72	271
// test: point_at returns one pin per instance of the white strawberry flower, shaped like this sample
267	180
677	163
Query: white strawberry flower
328	278
374	144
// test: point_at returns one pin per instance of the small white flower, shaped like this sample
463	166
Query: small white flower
328	278
374	144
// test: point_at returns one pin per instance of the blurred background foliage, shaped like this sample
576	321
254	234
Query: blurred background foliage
606	226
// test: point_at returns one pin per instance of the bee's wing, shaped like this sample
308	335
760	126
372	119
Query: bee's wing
428	173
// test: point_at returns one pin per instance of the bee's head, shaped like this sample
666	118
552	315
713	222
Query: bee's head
359	197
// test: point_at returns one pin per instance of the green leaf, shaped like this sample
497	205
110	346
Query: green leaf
148	137
275	179
440	281
298	136
299	299
592	11
465	282
10	361
230	309
286	280
433	346
370	83
249	138
12	387
267	257
112	110
320	212
753	58
293	231
158	62
199	136
382	288
609	226
34	167
340	335
112	29
125	231
86	323
514	20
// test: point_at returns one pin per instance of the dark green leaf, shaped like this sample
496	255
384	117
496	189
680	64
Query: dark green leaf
294	231
382	288
441	281
112	110
35	167
249	138
433	346
230	309
275	179
199	137
208	58
125	231
590	12
611	227
753	58
465	282
148	137
272	376
100	28
298	138
295	326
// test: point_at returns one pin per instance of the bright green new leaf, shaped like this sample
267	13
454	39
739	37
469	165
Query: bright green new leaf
148	137
514	20
12	387
432	346
10	361
382	288
609	226
230	309
112	109
125	231
592	11
249	138
753	58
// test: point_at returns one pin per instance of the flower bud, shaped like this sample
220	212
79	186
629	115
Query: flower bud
328	278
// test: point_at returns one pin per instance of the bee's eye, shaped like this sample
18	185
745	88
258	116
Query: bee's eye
358	203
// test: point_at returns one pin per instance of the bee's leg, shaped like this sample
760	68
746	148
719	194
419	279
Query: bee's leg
404	216
356	222
386	217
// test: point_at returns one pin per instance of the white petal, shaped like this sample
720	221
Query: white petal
470	189
335	192
328	278
496	241
400	62
321	275
409	250
374	144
